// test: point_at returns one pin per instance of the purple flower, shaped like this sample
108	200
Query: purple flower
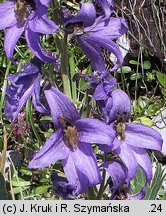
23	84
71	142
120	190
94	34
133	139
62	187
107	6
118	174
28	16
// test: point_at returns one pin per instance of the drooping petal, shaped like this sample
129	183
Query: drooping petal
41	23
128	158
36	99
21	88
144	162
92	51
60	106
112	28
33	41
53	150
120	104
7	14
86	15
11	37
108	44
81	168
94	131
117	172
143	136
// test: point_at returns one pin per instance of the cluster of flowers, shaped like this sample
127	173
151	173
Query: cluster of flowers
71	142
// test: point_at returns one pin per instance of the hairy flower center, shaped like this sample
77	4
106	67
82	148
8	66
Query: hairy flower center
120	126
23	8
70	133
71	136
120	130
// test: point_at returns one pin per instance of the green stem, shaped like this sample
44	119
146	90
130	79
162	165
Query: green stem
3	159
102	187
32	123
65	68
91	194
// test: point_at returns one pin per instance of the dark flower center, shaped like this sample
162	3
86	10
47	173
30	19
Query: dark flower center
23	8
76	29
120	126
70	133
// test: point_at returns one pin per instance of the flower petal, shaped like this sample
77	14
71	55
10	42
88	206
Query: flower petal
81	168
40	23
108	44
36	99
11	37
62	187
86	15
128	158
117	172
33	41
143	136
21	88
53	150
144	162
120	104
112	28
7	15
92	51
99	93
94	131
60	106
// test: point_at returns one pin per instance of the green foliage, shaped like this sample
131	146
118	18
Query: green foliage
153	189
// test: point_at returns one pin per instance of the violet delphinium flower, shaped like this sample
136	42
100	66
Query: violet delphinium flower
71	142
94	34
28	16
133	140
23	84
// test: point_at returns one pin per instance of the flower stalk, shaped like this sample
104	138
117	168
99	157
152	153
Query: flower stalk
65	68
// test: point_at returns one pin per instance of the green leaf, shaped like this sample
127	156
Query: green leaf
138	182
161	78
133	62
25	170
124	69
156	184
21	182
164	92
42	189
135	76
146	121
146	65
3	192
